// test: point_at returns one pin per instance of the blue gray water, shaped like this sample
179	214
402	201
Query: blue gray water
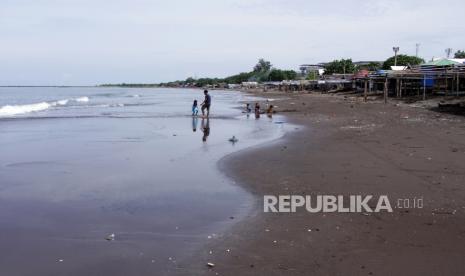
78	164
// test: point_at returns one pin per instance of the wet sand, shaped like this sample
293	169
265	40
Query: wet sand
344	146
132	162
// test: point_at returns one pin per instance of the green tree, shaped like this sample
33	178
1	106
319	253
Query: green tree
313	75
340	67
262	66
372	66
459	54
290	74
280	75
276	75
402	60
239	78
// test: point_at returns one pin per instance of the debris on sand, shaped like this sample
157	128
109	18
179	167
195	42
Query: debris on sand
211	265
443	212
110	237
233	140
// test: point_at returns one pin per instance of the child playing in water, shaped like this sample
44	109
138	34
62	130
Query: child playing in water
247	108
195	108
270	111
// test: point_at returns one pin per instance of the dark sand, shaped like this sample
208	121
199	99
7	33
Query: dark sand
345	146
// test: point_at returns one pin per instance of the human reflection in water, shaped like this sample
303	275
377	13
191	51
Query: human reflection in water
257	111
195	122
205	124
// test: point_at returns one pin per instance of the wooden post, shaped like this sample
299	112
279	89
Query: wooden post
424	87
447	84
366	90
458	83
400	88
385	90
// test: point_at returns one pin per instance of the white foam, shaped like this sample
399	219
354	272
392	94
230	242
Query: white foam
62	102
11	110
82	99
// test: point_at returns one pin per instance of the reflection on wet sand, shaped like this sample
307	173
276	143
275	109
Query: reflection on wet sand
195	123
205	124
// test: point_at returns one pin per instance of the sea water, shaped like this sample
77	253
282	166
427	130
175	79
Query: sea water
78	164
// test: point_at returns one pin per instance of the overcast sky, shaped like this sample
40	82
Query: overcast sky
86	42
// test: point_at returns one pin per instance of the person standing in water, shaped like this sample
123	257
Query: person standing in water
195	108
257	110
270	111
206	103
247	108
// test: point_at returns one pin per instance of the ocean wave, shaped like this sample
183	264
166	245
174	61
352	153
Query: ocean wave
82	99
60	102
12	110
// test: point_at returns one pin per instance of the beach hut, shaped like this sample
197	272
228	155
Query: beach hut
437	73
441	63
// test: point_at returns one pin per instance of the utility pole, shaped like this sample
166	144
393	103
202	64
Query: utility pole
417	49
448	52
395	49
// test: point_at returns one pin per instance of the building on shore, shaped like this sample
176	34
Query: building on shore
437	77
312	71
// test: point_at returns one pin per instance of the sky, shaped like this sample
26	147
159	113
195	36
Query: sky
88	42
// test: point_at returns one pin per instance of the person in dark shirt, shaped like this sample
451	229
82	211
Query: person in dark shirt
206	103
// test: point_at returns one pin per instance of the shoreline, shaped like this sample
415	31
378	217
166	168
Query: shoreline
350	147
150	181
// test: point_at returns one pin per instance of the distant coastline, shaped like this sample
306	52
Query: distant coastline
61	86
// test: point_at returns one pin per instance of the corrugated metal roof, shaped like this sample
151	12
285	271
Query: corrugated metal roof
441	62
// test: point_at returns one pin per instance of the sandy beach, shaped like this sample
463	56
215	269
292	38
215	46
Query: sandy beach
232	138
345	146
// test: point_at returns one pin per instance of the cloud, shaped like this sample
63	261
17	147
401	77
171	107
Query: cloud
148	41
